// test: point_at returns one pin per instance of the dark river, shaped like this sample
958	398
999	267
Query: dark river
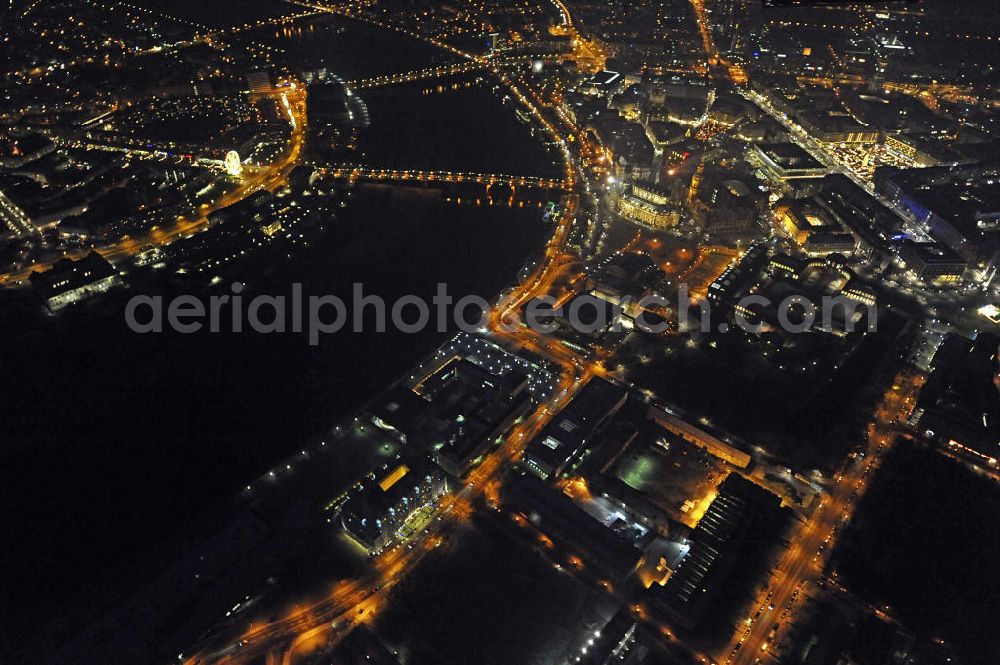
119	446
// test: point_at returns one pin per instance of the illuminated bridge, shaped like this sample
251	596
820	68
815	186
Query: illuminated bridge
402	175
436	72
416	75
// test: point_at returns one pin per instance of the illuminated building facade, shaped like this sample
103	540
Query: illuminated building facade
379	509
859	293
566	437
833	128
785	161
14	218
71	281
602	84
801	220
612	643
922	150
260	83
740	512
933	262
647	205
699	437
822	244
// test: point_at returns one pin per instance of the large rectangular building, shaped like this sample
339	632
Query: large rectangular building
565	438
728	533
959	406
378	508
70	281
785	161
923	149
639	211
612	643
478	407
958	206
699	437
823	244
867	218
836	128
457	412
933	262
602	84
560	518
800	219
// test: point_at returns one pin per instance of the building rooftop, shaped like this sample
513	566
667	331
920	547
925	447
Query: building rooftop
931	253
805	216
568	432
865	215
960	402
68	275
716	545
563	519
400	409
788	156
397	485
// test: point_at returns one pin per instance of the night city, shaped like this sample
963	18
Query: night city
500	332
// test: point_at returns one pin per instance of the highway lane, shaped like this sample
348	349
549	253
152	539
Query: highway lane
803	561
